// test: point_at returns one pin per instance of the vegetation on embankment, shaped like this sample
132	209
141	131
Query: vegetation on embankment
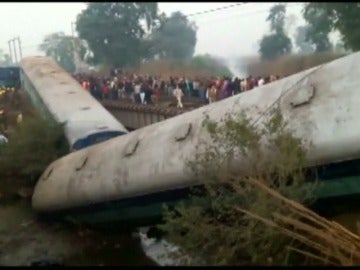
288	64
33	145
198	66
255	218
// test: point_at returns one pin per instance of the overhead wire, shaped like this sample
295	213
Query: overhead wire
216	9
188	15
240	15
209	11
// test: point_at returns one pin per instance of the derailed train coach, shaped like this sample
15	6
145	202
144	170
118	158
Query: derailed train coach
9	77
56	94
149	166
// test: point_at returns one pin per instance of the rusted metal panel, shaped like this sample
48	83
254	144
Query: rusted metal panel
327	119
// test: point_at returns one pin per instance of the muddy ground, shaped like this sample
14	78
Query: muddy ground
25	239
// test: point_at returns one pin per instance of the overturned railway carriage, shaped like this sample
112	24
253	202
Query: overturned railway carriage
57	95
147	167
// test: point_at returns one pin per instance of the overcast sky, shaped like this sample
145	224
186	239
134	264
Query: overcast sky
228	33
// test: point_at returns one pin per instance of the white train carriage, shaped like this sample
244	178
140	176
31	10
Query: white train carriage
148	166
55	93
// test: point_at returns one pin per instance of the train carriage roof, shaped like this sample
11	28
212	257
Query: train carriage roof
63	95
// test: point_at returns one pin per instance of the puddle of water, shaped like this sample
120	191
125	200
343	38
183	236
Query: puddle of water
158	250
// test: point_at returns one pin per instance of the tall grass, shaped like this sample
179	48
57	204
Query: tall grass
287	65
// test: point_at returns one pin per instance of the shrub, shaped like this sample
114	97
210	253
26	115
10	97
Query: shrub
32	146
252	218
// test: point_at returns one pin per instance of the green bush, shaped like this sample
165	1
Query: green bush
33	145
212	229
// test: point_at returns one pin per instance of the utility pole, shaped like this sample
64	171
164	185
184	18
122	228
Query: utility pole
10	52
20	49
13	51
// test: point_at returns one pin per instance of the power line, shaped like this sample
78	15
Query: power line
215	9
227	7
240	15
245	14
189	15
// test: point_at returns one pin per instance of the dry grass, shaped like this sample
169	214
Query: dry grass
289	64
323	241
200	66
163	68
166	68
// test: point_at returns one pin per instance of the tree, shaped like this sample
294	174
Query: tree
5	59
277	18
277	43
318	30
67	51
300	40
343	17
114	31
175	38
61	48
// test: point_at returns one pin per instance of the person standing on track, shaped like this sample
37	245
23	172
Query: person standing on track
178	94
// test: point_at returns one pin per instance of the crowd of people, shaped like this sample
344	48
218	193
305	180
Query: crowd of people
148	89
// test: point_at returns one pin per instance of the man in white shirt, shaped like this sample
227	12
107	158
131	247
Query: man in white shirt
178	94
261	82
137	93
